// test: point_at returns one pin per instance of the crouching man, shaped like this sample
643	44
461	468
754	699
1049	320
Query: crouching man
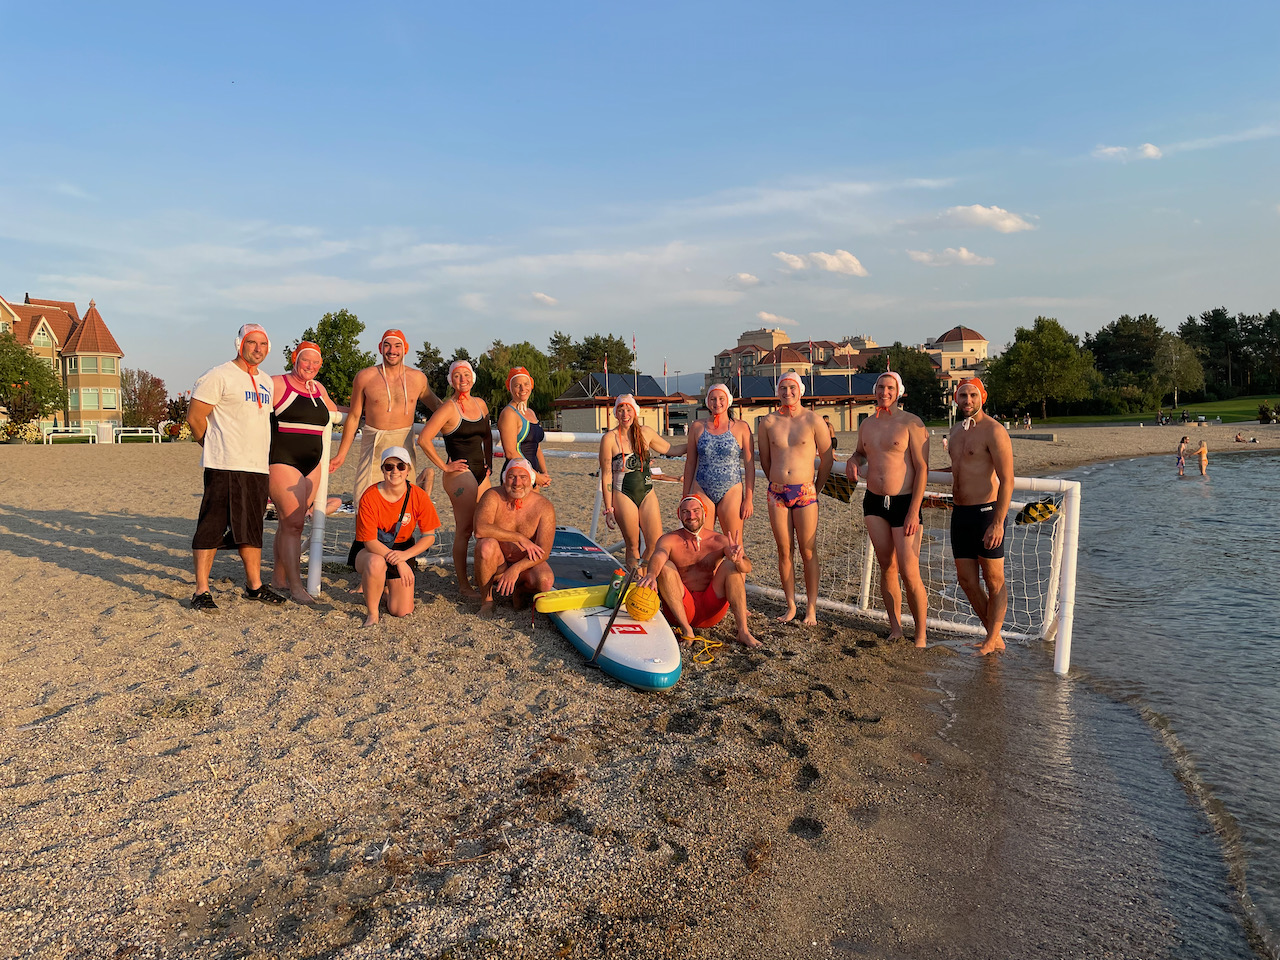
700	574
515	529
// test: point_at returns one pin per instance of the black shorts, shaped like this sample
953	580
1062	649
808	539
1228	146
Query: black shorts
969	524
231	510
393	573
873	505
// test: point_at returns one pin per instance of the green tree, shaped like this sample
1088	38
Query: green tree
1126	346
29	389
592	350
338	336
144	399
1260	335
497	362
1215	337
431	362
1177	367
561	353
1043	363
924	394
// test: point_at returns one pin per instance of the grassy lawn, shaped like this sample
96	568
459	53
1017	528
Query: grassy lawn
1239	410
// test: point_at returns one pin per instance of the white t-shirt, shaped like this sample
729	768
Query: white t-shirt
239	434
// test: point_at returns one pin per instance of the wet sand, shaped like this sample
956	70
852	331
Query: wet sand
278	782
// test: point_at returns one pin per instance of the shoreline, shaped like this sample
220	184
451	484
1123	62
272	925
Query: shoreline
280	782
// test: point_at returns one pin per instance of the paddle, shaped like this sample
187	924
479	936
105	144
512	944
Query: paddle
622	595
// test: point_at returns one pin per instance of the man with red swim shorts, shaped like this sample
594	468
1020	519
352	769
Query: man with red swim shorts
700	574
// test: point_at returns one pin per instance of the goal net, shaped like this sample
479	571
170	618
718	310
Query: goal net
1040	554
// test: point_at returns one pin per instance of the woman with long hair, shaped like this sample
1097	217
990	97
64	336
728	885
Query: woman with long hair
463	422
389	510
720	466
630	505
518	427
300	415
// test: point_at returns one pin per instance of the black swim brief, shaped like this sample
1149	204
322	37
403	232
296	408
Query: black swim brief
969	524
892	509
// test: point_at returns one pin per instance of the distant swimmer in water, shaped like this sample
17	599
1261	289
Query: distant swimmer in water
721	465
1202	452
1182	454
982	487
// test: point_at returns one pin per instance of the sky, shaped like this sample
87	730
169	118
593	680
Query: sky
682	172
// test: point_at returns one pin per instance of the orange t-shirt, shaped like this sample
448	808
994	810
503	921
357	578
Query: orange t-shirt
378	513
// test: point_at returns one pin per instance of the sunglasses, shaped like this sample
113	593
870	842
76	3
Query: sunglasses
397	467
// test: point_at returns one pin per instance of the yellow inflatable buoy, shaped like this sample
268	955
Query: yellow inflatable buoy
642	603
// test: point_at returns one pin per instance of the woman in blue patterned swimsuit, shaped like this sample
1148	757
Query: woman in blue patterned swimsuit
518	428
721	465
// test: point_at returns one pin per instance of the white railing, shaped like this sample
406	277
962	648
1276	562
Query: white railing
70	432
149	433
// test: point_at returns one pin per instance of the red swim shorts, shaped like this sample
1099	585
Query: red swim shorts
701	609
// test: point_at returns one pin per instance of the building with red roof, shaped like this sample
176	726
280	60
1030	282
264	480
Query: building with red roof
81	350
959	353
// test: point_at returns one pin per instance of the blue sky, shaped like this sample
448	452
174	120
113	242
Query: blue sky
471	172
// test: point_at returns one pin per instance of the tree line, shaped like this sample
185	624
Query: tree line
553	370
1134	365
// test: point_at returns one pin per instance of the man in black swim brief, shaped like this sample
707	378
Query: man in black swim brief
893	509
969	525
981	489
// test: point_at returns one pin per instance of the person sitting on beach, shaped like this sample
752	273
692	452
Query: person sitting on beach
630	505
720	465
388	512
387	396
1240	438
299	417
515	529
1202	452
791	438
981	490
232	424
519	430
1182	455
894	446
463	421
700	574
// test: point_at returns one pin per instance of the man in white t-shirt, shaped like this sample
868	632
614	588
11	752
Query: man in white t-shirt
230	417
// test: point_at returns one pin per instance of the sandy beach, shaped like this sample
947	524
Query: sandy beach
277	782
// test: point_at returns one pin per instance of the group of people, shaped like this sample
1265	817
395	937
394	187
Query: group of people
1201	453
263	436
264	440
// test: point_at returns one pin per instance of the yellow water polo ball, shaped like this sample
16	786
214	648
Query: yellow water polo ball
642	603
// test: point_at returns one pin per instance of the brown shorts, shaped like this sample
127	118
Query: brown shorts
231	511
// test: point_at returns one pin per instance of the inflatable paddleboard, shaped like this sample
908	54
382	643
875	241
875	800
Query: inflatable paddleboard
642	654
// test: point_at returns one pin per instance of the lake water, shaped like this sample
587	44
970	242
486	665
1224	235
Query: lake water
1178	614
1138	800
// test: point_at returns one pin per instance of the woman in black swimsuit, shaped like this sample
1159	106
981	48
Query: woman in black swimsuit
298	421
463	423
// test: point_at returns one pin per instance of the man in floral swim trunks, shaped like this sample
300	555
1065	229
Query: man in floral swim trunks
791	438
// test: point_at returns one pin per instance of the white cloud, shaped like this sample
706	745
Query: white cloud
792	261
420	254
550	301
826	201
302	289
842	261
1148	151
744	280
478	302
950	257
713	298
71	190
1265	132
774	318
996	218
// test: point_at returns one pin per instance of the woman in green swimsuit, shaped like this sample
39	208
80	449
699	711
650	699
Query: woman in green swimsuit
629	501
